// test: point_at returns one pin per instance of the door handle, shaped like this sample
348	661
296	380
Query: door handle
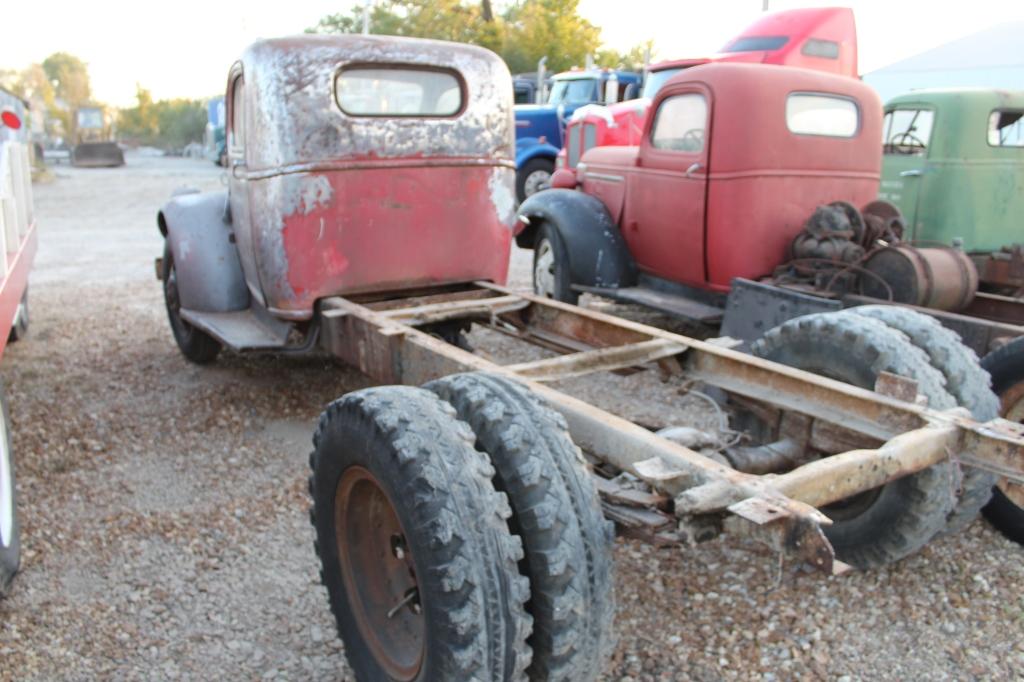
694	167
913	173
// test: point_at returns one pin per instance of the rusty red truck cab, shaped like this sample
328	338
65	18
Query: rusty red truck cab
357	165
731	162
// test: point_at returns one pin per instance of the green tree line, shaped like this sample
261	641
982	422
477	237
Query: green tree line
167	123
523	33
61	84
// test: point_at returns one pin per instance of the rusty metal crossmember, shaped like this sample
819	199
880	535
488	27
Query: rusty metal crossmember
913	437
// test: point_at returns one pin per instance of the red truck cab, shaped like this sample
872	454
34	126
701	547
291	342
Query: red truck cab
821	38
731	163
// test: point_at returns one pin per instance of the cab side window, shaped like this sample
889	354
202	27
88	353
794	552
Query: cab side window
907	131
1006	129
680	123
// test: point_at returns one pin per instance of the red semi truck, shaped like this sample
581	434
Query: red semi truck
17	249
821	38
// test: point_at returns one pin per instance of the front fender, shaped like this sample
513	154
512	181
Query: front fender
598	255
206	262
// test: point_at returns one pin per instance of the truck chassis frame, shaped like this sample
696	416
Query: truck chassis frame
880	436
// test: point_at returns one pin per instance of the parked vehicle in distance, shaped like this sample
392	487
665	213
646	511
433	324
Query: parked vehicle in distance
214	142
820	38
953	162
95	146
539	127
709	219
17	251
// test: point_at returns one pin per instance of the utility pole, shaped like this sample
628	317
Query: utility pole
366	16
764	5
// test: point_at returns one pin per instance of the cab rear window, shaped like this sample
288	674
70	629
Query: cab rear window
398	91
814	114
1006	129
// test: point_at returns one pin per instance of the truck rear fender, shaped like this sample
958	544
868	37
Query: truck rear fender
198	231
598	255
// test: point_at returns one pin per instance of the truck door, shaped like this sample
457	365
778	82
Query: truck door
664	221
906	134
238	184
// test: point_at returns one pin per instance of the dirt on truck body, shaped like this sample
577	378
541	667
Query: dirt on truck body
460	518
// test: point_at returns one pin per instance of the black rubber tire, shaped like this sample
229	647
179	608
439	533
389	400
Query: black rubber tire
531	166
966	381
19	328
556	511
466	557
195	344
10	546
563	276
1006	365
908	512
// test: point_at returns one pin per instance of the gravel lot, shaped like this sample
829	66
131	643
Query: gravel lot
164	513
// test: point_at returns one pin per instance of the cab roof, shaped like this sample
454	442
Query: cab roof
293	118
748	118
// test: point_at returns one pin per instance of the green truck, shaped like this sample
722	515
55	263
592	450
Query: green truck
954	165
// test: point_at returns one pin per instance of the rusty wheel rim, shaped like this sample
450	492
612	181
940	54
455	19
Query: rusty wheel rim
379	574
1012	407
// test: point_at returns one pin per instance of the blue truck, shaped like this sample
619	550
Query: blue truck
540	127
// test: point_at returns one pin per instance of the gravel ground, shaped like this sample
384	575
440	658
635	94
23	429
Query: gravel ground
165	525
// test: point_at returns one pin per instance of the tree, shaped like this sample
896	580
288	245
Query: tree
169	124
633	60
140	122
527	31
70	77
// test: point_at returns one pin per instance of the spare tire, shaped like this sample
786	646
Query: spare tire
895	520
1006	365
966	381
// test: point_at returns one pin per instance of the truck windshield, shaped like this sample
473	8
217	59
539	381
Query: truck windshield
655	79
907	131
574	91
756	44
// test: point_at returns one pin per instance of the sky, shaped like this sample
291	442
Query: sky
186	52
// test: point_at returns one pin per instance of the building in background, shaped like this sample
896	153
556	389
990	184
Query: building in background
993	58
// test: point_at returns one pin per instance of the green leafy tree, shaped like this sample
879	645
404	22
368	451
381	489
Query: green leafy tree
70	77
525	32
633	60
141	121
548	28
169	124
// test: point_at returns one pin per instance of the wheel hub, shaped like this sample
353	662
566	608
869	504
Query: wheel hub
379	574
533	182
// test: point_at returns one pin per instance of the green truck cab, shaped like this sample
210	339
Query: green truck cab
953	162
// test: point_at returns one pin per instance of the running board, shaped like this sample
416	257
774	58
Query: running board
241	330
